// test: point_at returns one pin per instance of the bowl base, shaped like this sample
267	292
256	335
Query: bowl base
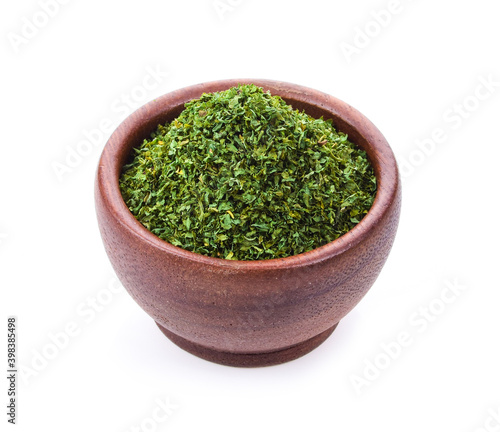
249	360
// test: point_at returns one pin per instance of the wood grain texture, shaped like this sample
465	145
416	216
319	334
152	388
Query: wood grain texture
225	310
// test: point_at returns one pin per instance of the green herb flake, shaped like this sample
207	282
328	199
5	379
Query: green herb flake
242	175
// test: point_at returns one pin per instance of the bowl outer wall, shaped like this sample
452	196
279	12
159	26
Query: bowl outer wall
247	306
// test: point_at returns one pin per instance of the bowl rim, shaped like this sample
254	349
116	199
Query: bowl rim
378	150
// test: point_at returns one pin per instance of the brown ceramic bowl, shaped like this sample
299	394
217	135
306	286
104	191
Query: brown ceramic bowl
247	313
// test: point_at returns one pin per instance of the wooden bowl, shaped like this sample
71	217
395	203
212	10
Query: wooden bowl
247	313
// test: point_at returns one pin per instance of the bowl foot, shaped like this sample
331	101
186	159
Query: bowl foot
249	360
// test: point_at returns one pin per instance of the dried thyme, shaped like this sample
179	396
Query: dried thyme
242	175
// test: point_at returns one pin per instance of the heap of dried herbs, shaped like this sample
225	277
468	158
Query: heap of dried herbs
242	175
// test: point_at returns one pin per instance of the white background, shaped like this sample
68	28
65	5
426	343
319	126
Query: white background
64	79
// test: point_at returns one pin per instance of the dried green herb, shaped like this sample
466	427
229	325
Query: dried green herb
242	175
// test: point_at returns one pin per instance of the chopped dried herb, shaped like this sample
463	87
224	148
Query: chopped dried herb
242	175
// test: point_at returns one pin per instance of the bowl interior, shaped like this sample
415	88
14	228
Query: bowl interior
359	129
